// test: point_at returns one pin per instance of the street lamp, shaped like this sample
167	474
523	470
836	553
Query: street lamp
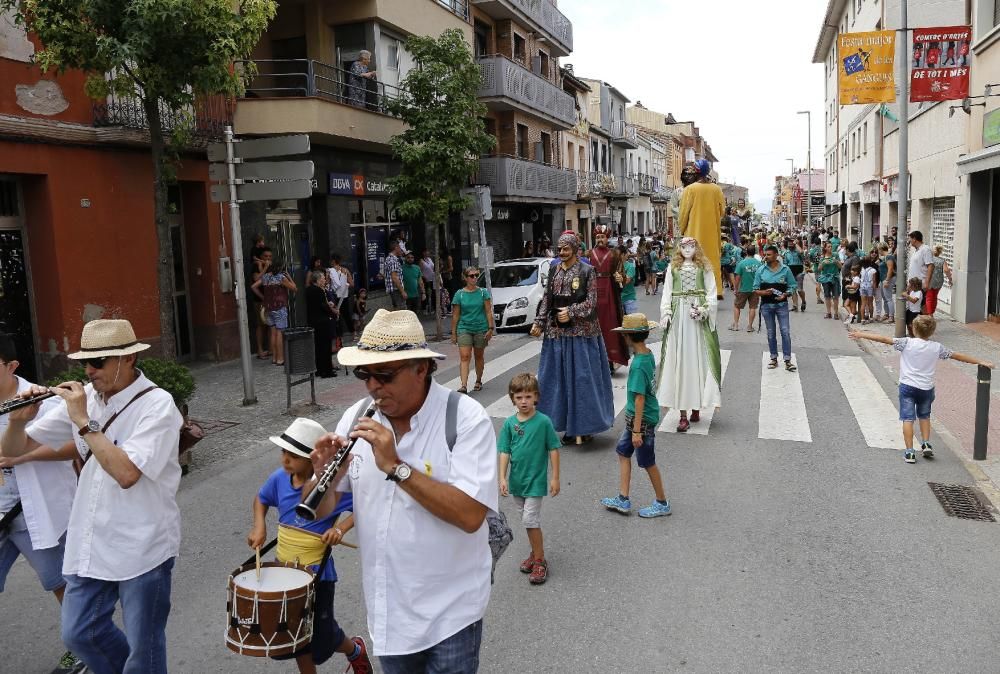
809	168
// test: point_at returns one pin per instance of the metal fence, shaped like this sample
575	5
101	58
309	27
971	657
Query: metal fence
459	8
205	119
545	15
502	77
595	183
284	78
622	130
514	177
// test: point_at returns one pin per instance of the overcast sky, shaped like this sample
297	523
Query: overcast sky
739	68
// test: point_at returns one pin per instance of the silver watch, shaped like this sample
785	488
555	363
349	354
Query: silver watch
400	473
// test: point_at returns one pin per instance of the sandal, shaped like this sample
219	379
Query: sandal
788	366
733	328
773	365
478	386
462	389
750	329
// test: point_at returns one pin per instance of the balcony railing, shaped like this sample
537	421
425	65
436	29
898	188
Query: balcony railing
540	13
459	8
503	79
624	133
205	119
513	177
595	184
646	184
285	78
627	186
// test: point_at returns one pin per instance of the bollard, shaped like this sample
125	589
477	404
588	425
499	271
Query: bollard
982	413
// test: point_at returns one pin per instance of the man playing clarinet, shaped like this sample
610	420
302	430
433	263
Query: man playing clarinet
124	526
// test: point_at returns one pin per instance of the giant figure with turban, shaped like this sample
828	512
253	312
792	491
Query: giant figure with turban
573	373
702	207
607	264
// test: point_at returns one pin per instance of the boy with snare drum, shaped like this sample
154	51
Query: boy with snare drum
307	541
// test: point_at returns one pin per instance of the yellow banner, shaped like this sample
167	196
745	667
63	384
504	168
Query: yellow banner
866	62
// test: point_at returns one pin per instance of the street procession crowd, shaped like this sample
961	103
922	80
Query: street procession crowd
415	468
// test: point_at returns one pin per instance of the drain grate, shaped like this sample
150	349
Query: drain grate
960	501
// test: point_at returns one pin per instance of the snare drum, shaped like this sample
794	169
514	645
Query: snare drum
272	616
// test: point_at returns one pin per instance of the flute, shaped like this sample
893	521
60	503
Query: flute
17	403
307	509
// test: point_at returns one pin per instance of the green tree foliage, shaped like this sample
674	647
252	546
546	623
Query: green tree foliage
444	135
164	53
172	377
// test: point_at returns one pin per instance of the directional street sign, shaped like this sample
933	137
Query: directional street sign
265	191
264	170
278	146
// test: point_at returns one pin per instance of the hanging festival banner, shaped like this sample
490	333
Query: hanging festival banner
866	66
940	64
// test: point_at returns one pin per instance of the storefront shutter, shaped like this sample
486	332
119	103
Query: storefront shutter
943	234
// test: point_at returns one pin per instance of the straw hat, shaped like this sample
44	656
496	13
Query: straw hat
391	335
106	337
300	437
636	323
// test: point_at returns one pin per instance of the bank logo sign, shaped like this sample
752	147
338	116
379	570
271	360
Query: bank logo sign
357	185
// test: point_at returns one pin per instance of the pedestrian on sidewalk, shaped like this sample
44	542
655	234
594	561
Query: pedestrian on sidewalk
869	281
814	255
393	275
302	540
773	283
629	302
921	260
914	298
941	272
796	264
828	275
341	284
273	288
887	282
917	366
529	447
852	294
642	414
427	273
321	316
745	271
413	283
472	327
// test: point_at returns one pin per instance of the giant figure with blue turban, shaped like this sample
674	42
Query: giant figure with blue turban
702	207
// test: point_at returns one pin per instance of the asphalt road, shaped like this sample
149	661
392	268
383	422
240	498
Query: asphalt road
781	555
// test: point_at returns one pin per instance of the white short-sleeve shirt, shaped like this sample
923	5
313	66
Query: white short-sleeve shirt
424	579
918	361
919	259
117	534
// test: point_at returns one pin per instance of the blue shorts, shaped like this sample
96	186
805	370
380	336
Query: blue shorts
645	456
630	306
278	318
47	563
914	403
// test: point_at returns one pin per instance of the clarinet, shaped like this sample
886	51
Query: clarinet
17	403
307	509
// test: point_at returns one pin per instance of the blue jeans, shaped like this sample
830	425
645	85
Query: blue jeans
630	306
88	631
458	654
779	310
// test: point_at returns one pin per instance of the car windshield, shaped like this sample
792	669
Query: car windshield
510	276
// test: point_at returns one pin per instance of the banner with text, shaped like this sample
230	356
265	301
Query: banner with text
867	67
940	64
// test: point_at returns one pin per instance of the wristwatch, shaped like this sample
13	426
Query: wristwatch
400	473
91	427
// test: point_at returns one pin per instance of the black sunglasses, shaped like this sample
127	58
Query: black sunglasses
472	275
381	377
96	363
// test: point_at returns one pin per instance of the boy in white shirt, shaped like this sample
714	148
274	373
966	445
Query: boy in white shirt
917	364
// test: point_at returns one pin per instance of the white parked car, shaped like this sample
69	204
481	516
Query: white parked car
518	287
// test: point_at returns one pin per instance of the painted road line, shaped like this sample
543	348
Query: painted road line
496	367
875	413
782	414
672	417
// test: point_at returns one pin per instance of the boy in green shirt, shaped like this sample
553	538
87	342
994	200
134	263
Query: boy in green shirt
642	413
413	283
527	443
745	271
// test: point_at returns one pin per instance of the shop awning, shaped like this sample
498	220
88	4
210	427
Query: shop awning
984	160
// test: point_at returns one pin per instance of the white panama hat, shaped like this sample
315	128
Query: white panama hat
390	336
105	337
300	437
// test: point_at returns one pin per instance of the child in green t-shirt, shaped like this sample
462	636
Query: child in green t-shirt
642	413
528	443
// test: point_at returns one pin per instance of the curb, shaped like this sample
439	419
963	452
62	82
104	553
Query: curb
983	482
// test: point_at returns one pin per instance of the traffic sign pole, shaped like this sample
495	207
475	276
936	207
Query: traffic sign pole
249	396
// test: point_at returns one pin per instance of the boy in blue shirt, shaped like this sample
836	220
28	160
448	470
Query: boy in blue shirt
528	443
642	413
284	490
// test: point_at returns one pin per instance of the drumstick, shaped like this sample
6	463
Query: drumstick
257	550
352	546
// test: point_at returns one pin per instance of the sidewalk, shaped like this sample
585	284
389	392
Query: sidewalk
955	385
233	430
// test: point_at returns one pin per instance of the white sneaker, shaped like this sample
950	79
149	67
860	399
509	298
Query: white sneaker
849	319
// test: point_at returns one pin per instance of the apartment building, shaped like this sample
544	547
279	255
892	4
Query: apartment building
977	266
518	44
862	141
76	200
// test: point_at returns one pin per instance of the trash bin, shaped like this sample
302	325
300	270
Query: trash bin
300	352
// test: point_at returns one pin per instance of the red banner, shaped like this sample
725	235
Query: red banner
940	64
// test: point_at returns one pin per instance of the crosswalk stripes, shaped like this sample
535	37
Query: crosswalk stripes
668	424
782	414
496	367
871	407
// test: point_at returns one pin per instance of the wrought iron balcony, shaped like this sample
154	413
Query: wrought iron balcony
513	177
205	120
538	14
624	134
595	184
505	84
459	8
626	186
646	183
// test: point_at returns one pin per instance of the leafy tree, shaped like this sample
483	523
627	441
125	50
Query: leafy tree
164	53
445	135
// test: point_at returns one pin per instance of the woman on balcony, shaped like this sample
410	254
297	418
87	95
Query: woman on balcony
357	81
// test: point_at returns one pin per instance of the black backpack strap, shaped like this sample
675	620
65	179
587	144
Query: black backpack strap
451	419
